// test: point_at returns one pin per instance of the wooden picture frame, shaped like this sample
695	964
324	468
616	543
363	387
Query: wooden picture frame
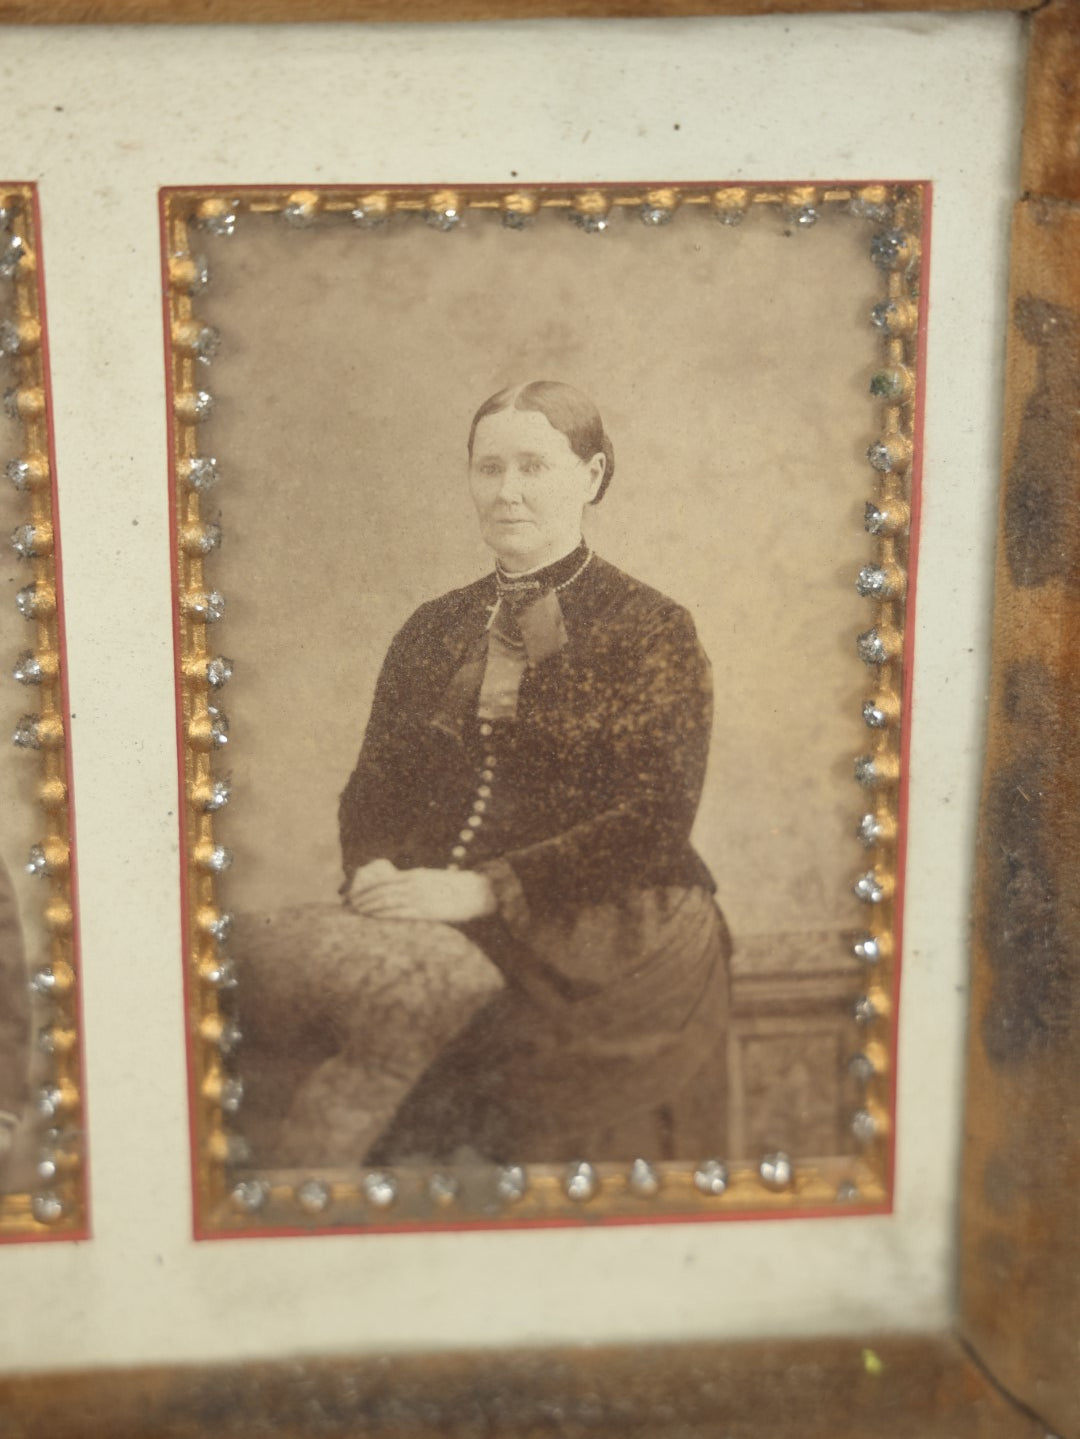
1007	1368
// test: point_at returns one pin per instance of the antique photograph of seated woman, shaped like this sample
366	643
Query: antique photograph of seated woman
529	965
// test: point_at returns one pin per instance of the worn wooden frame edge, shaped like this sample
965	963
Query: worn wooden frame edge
934	1385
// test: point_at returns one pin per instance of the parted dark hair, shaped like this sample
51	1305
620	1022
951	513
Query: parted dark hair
565	409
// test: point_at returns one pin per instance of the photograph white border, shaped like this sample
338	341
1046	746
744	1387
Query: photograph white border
118	113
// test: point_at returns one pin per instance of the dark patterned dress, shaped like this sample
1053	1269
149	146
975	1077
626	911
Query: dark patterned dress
573	786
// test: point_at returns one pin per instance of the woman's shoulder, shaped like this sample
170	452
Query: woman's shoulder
622	597
446	612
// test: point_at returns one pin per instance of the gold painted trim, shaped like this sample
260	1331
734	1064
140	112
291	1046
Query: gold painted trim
57	1208
231	1196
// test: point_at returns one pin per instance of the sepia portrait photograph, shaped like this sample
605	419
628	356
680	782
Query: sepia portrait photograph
541	561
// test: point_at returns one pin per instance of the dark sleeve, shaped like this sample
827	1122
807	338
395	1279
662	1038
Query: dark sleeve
653	766
377	794
14	1003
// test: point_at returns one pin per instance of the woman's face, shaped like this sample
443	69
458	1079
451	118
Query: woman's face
529	488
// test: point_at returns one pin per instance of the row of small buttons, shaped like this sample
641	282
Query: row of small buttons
479	806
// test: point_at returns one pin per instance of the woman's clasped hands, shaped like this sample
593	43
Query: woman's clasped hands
379	890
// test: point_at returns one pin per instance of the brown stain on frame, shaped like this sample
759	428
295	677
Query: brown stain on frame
1020	1252
1041	515
818	1389
172	12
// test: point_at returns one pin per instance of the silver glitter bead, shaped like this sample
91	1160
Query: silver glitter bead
250	1195
43	982
203	538
200	277
58	1138
729	215
380	1189
872	582
894	317
875	520
886	248
866	771
776	1170
218	222
218	859
299	213
219	727
28	669
861	1068
869	888
201	472
443	219
864	1010
218	797
26	601
220	928
643	1179
47	1040
202	406
26	734
47	1169
313	1196
367	219
10	338
49	1101
219	672
868	209
36	862
208	607
881	457
47	1207
863	1126
711	1177
871	648
888	385
847	1191
591	223
581	1182
873	716
11	403
515	219
881	315
232	1094
237	1150
870	831
26	541
804	216
18	472
511	1182
867	949
12	253
443	1188
656	214
221	974
230	1038
206	345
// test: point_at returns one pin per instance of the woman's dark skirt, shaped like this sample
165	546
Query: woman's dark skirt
609	1042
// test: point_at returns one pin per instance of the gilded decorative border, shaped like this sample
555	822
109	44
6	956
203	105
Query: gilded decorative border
233	1197
57	1205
